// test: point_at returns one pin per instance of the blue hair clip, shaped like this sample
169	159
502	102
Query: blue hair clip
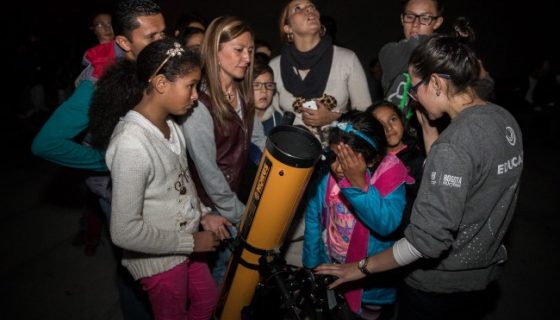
347	127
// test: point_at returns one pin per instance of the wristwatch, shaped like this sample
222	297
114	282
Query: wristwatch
362	265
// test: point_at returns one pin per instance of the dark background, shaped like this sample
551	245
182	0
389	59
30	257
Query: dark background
509	34
44	277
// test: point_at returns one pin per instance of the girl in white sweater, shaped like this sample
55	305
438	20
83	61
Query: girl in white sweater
156	212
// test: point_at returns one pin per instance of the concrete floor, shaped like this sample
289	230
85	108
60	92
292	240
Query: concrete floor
42	276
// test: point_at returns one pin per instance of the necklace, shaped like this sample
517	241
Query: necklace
229	96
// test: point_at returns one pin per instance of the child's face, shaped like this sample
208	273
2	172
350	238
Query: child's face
263	95
102	28
182	93
336	168
393	126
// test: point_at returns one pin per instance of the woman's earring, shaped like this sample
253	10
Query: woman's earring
290	37
323	30
437	92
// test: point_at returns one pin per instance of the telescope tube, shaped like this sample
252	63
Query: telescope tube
284	171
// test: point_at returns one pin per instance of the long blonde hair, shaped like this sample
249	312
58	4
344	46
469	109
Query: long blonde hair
221	30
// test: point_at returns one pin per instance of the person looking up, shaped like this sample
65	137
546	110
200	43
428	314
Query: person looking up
315	79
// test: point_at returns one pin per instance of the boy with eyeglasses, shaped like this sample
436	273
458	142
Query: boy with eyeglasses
419	19
264	89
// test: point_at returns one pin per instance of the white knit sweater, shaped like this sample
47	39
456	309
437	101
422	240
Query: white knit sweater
150	218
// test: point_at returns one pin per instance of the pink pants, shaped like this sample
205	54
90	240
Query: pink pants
189	281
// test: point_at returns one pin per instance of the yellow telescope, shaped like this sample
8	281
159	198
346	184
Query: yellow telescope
284	171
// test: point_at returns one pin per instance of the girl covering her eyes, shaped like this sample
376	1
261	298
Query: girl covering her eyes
356	206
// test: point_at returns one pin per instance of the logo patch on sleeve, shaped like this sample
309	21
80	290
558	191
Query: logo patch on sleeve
452	181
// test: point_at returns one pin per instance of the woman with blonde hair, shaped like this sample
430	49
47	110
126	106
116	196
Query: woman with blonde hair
221	128
315	79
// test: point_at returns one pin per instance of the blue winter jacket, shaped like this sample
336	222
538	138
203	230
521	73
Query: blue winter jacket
380	215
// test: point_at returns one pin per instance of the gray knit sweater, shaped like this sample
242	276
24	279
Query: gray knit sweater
466	201
150	217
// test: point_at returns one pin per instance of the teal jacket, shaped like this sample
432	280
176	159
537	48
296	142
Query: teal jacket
55	141
379	210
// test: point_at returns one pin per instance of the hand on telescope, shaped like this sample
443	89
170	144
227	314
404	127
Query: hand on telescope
216	224
344	272
205	241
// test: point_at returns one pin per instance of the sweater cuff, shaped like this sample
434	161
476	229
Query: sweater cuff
405	253
204	210
186	243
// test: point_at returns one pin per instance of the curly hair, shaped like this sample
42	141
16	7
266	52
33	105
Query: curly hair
123	85
116	93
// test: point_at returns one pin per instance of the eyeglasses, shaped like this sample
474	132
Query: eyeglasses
271	86
413	91
424	19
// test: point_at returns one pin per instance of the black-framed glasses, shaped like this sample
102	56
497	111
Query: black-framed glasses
424	19
271	86
413	91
